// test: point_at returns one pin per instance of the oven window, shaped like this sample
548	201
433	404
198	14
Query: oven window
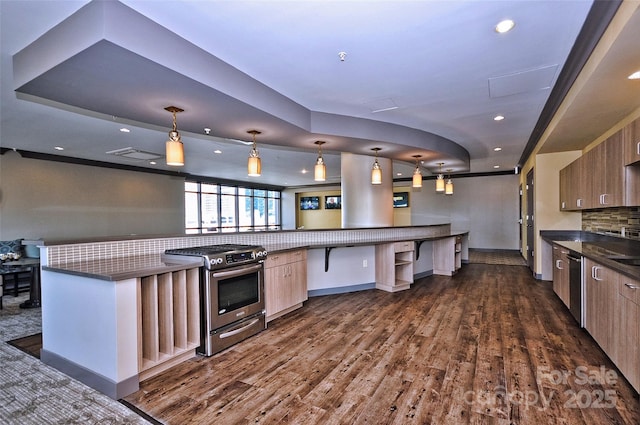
237	292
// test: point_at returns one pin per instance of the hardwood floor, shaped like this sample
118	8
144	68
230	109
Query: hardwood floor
490	345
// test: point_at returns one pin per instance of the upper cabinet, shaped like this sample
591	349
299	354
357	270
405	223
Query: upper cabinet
631	141
604	174
603	177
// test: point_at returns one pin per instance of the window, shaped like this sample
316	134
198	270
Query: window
211	207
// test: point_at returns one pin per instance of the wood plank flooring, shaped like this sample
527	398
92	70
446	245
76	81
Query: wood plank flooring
490	345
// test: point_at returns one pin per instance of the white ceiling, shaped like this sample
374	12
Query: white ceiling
274	66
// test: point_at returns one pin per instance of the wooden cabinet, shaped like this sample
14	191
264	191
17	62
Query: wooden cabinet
564	190
597	179
572	186
394	266
168	320
627	330
447	255
601	295
561	273
604	174
285	285
631	142
613	317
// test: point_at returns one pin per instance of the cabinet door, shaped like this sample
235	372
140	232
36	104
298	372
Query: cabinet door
601	293
627	330
561	274
577	185
275	289
299	282
612	188
564	190
631	141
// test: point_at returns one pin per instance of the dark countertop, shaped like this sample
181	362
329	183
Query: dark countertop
598	247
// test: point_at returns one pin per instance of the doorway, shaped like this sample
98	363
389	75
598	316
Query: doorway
529	221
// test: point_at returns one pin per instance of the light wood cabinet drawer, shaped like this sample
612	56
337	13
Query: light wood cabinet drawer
629	289
274	260
403	246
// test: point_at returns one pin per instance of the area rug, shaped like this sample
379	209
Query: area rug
499	257
16	322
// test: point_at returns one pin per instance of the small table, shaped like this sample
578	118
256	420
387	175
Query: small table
34	290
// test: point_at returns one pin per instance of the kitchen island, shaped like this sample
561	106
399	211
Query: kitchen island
114	313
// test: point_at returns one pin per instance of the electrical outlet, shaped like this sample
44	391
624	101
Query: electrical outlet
364	263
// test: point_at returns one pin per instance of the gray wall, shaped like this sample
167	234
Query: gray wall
53	200
45	199
486	206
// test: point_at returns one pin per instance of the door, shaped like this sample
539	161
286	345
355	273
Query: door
529	220
520	220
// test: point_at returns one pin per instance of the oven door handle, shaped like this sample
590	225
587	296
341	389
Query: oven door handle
239	329
237	272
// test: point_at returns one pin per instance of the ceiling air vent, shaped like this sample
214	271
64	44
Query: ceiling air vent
133	153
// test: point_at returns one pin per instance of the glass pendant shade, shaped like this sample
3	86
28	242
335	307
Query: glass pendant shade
376	171
254	164
449	188
417	175
320	170
440	183
376	174
417	178
174	150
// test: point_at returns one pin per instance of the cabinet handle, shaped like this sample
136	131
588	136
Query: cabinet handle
558	262
579	203
594	273
638	148
563	205
603	199
630	286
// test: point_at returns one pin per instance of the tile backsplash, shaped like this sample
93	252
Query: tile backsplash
623	221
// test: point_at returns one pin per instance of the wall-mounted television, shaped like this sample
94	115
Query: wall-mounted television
400	199
309	203
332	202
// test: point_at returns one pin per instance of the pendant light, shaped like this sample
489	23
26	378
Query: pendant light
449	186
320	170
417	175
174	147
254	165
440	180
376	171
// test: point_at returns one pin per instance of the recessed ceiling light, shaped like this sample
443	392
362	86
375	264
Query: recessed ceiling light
498	118
125	130
304	171
505	26
207	130
496	166
497	149
217	151
152	162
398	174
634	76
59	148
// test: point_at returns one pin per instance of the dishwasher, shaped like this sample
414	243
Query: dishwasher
575	287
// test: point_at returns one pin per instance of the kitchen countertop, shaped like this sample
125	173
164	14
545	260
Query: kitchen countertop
598	248
121	268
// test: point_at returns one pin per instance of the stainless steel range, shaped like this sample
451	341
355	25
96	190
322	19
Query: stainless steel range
231	293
